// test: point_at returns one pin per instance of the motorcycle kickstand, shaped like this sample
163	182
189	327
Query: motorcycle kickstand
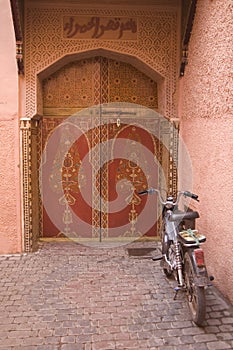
157	258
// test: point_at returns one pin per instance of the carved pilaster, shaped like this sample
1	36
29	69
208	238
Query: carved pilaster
174	141
26	188
31	200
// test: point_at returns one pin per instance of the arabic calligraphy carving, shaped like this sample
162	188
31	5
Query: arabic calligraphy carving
82	27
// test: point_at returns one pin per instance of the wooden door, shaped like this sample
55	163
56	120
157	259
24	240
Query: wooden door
85	197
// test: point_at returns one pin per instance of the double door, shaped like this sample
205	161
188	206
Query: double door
101	153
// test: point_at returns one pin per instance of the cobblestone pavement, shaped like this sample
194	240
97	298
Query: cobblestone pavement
70	297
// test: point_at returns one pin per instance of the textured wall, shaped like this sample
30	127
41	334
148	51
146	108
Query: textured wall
9	151
207	129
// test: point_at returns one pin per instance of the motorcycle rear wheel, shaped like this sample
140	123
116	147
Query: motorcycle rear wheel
195	294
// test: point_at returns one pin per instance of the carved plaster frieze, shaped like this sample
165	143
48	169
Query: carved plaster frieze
155	47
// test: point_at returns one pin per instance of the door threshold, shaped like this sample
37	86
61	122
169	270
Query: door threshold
96	240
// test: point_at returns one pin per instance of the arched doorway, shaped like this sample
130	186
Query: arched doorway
81	84
59	87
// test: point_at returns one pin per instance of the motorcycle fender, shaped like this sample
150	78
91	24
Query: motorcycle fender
201	277
201	281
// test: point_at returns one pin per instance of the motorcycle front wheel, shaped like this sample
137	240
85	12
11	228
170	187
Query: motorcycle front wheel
195	294
165	248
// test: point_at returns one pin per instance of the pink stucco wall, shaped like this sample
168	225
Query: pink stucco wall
10	232
206	110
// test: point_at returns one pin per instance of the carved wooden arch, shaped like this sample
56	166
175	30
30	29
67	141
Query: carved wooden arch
126	58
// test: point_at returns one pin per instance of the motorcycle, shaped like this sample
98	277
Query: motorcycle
182	255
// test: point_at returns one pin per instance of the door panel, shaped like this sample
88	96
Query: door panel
104	193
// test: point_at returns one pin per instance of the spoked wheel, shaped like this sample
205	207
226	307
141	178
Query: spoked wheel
165	248
195	294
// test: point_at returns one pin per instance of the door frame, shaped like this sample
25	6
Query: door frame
30	132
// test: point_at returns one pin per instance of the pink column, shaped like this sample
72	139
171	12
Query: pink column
10	222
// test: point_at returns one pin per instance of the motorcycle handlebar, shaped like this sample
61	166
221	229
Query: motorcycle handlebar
191	195
143	192
150	191
185	194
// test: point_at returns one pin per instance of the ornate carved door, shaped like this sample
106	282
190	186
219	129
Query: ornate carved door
108	150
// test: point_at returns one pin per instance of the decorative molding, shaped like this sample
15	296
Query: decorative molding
30	197
26	188
187	35
16	16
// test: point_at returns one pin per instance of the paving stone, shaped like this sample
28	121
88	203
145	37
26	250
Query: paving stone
69	339
32	341
73	347
104	345
218	345
228	320
70	297
205	337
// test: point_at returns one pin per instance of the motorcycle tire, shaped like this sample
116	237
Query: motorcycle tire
195	294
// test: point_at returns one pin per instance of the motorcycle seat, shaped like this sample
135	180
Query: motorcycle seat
189	215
